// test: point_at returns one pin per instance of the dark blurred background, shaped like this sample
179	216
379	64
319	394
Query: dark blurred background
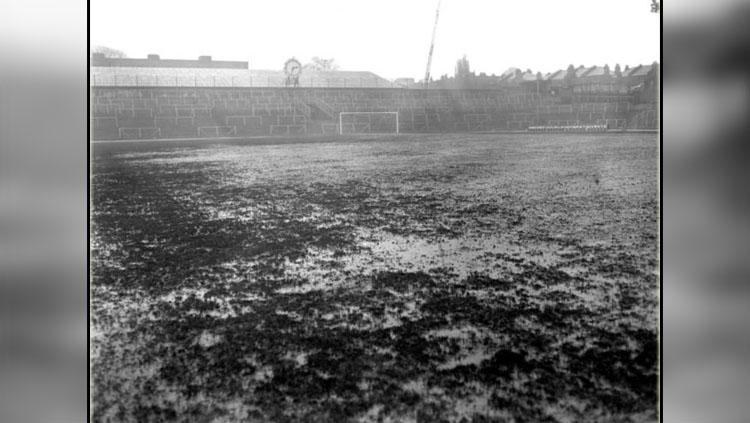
43	210
43	244
706	105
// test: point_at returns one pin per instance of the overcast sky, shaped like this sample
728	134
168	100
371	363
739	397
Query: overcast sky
388	37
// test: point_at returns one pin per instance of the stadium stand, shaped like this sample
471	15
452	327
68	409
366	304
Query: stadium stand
206	98
174	112
127	76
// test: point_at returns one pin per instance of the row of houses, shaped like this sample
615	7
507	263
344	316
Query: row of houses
576	80
594	79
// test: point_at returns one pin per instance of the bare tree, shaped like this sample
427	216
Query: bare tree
618	71
321	64
109	52
655	6
463	70
570	75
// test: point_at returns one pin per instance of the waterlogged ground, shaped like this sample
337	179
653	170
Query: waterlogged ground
425	278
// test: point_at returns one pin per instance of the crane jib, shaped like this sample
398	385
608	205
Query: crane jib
432	46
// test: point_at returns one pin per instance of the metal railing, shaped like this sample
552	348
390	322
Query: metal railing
130	80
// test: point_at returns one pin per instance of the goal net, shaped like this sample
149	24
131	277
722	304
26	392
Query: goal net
368	123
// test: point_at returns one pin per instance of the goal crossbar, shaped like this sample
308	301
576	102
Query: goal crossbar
369	114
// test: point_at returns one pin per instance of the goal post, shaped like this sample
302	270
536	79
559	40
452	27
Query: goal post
368	123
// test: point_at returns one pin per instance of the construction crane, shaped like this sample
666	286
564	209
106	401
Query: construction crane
432	46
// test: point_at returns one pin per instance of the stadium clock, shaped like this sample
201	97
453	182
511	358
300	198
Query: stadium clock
292	69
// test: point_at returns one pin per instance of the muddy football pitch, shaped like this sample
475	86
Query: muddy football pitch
474	277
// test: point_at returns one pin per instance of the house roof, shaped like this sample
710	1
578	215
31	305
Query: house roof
597	71
581	71
584	72
640	70
528	77
557	75
509	72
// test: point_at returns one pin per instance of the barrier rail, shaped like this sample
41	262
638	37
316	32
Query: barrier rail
569	128
129	80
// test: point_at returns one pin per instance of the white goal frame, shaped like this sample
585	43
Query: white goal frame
370	114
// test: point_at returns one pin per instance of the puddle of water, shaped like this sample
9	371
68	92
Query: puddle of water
300	358
463	255
475	358
478	403
206	339
372	414
263	374
382	251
